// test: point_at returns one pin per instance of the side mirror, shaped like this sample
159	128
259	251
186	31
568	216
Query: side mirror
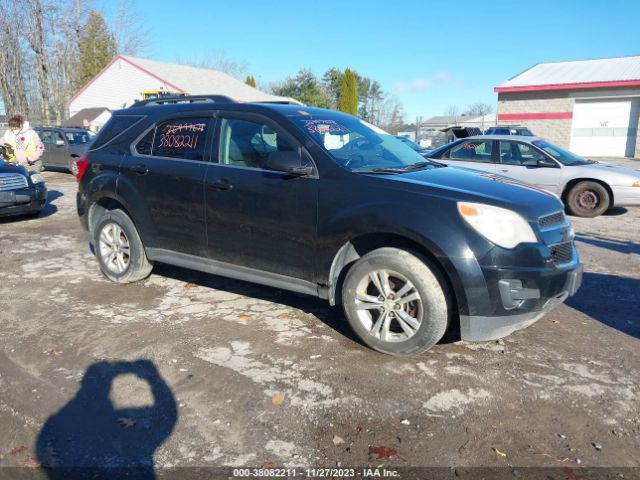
59	142
289	162
546	163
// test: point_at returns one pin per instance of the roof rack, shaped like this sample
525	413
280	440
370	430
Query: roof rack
184	99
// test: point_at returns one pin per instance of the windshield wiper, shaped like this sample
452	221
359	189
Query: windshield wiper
381	171
407	168
418	165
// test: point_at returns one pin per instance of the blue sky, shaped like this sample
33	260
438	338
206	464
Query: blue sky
429	54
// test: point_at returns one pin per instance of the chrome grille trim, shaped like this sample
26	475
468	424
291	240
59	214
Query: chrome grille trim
12	181
552	220
562	253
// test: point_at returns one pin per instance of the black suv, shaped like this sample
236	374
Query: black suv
322	203
509	130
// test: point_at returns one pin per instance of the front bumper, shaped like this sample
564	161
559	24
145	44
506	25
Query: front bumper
626	196
523	301
23	201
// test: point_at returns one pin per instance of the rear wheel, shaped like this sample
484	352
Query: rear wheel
396	302
73	166
588	199
119	249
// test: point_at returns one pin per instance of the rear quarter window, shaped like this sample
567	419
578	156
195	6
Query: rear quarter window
116	125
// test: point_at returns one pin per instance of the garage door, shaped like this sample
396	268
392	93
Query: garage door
603	129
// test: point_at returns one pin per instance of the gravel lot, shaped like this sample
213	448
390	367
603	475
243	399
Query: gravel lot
245	375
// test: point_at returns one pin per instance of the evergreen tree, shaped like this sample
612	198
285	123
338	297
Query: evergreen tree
97	48
305	88
250	81
349	93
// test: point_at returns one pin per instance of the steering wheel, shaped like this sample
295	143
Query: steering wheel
354	158
357	143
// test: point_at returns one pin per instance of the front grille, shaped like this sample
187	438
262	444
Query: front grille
547	221
12	181
562	252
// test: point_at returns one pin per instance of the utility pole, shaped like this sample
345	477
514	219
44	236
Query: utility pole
418	122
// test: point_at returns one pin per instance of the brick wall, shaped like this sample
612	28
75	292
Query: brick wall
556	131
529	102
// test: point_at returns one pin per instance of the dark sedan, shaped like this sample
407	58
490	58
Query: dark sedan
63	146
21	192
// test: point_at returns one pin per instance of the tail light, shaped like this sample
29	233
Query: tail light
82	163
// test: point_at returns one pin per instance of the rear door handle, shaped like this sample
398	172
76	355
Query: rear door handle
141	169
221	185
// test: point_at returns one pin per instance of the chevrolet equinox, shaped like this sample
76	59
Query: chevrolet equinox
322	203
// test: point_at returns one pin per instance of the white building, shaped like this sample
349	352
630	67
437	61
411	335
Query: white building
91	118
588	106
124	79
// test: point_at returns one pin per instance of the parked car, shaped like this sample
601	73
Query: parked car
21	192
319	202
509	130
63	146
413	145
587	188
456	132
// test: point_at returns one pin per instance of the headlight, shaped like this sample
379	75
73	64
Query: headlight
636	184
37	178
498	225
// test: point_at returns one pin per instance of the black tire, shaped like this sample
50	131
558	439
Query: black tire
588	199
73	166
136	264
431	310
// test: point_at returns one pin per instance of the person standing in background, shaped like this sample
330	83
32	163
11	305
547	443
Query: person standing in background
25	142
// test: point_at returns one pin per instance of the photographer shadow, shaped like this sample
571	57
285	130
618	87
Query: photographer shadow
90	438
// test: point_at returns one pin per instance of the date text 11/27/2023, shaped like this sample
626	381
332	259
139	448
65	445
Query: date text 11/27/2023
367	472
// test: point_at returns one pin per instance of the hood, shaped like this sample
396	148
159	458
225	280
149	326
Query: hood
462	184
613	169
6	168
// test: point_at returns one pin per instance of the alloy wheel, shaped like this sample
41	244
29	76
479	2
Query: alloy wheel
389	306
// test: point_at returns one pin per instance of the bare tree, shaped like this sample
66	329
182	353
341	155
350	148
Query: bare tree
390	115
12	81
217	60
478	109
452	111
131	36
35	28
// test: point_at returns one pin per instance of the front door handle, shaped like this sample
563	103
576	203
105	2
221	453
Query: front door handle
504	170
221	185
141	169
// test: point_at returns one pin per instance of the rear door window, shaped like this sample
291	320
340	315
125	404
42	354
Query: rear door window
183	138
471	151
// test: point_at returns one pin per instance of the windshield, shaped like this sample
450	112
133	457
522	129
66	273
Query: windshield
411	144
561	155
358	146
78	138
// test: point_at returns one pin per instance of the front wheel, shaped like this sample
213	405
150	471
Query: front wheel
396	302
588	199
119	249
